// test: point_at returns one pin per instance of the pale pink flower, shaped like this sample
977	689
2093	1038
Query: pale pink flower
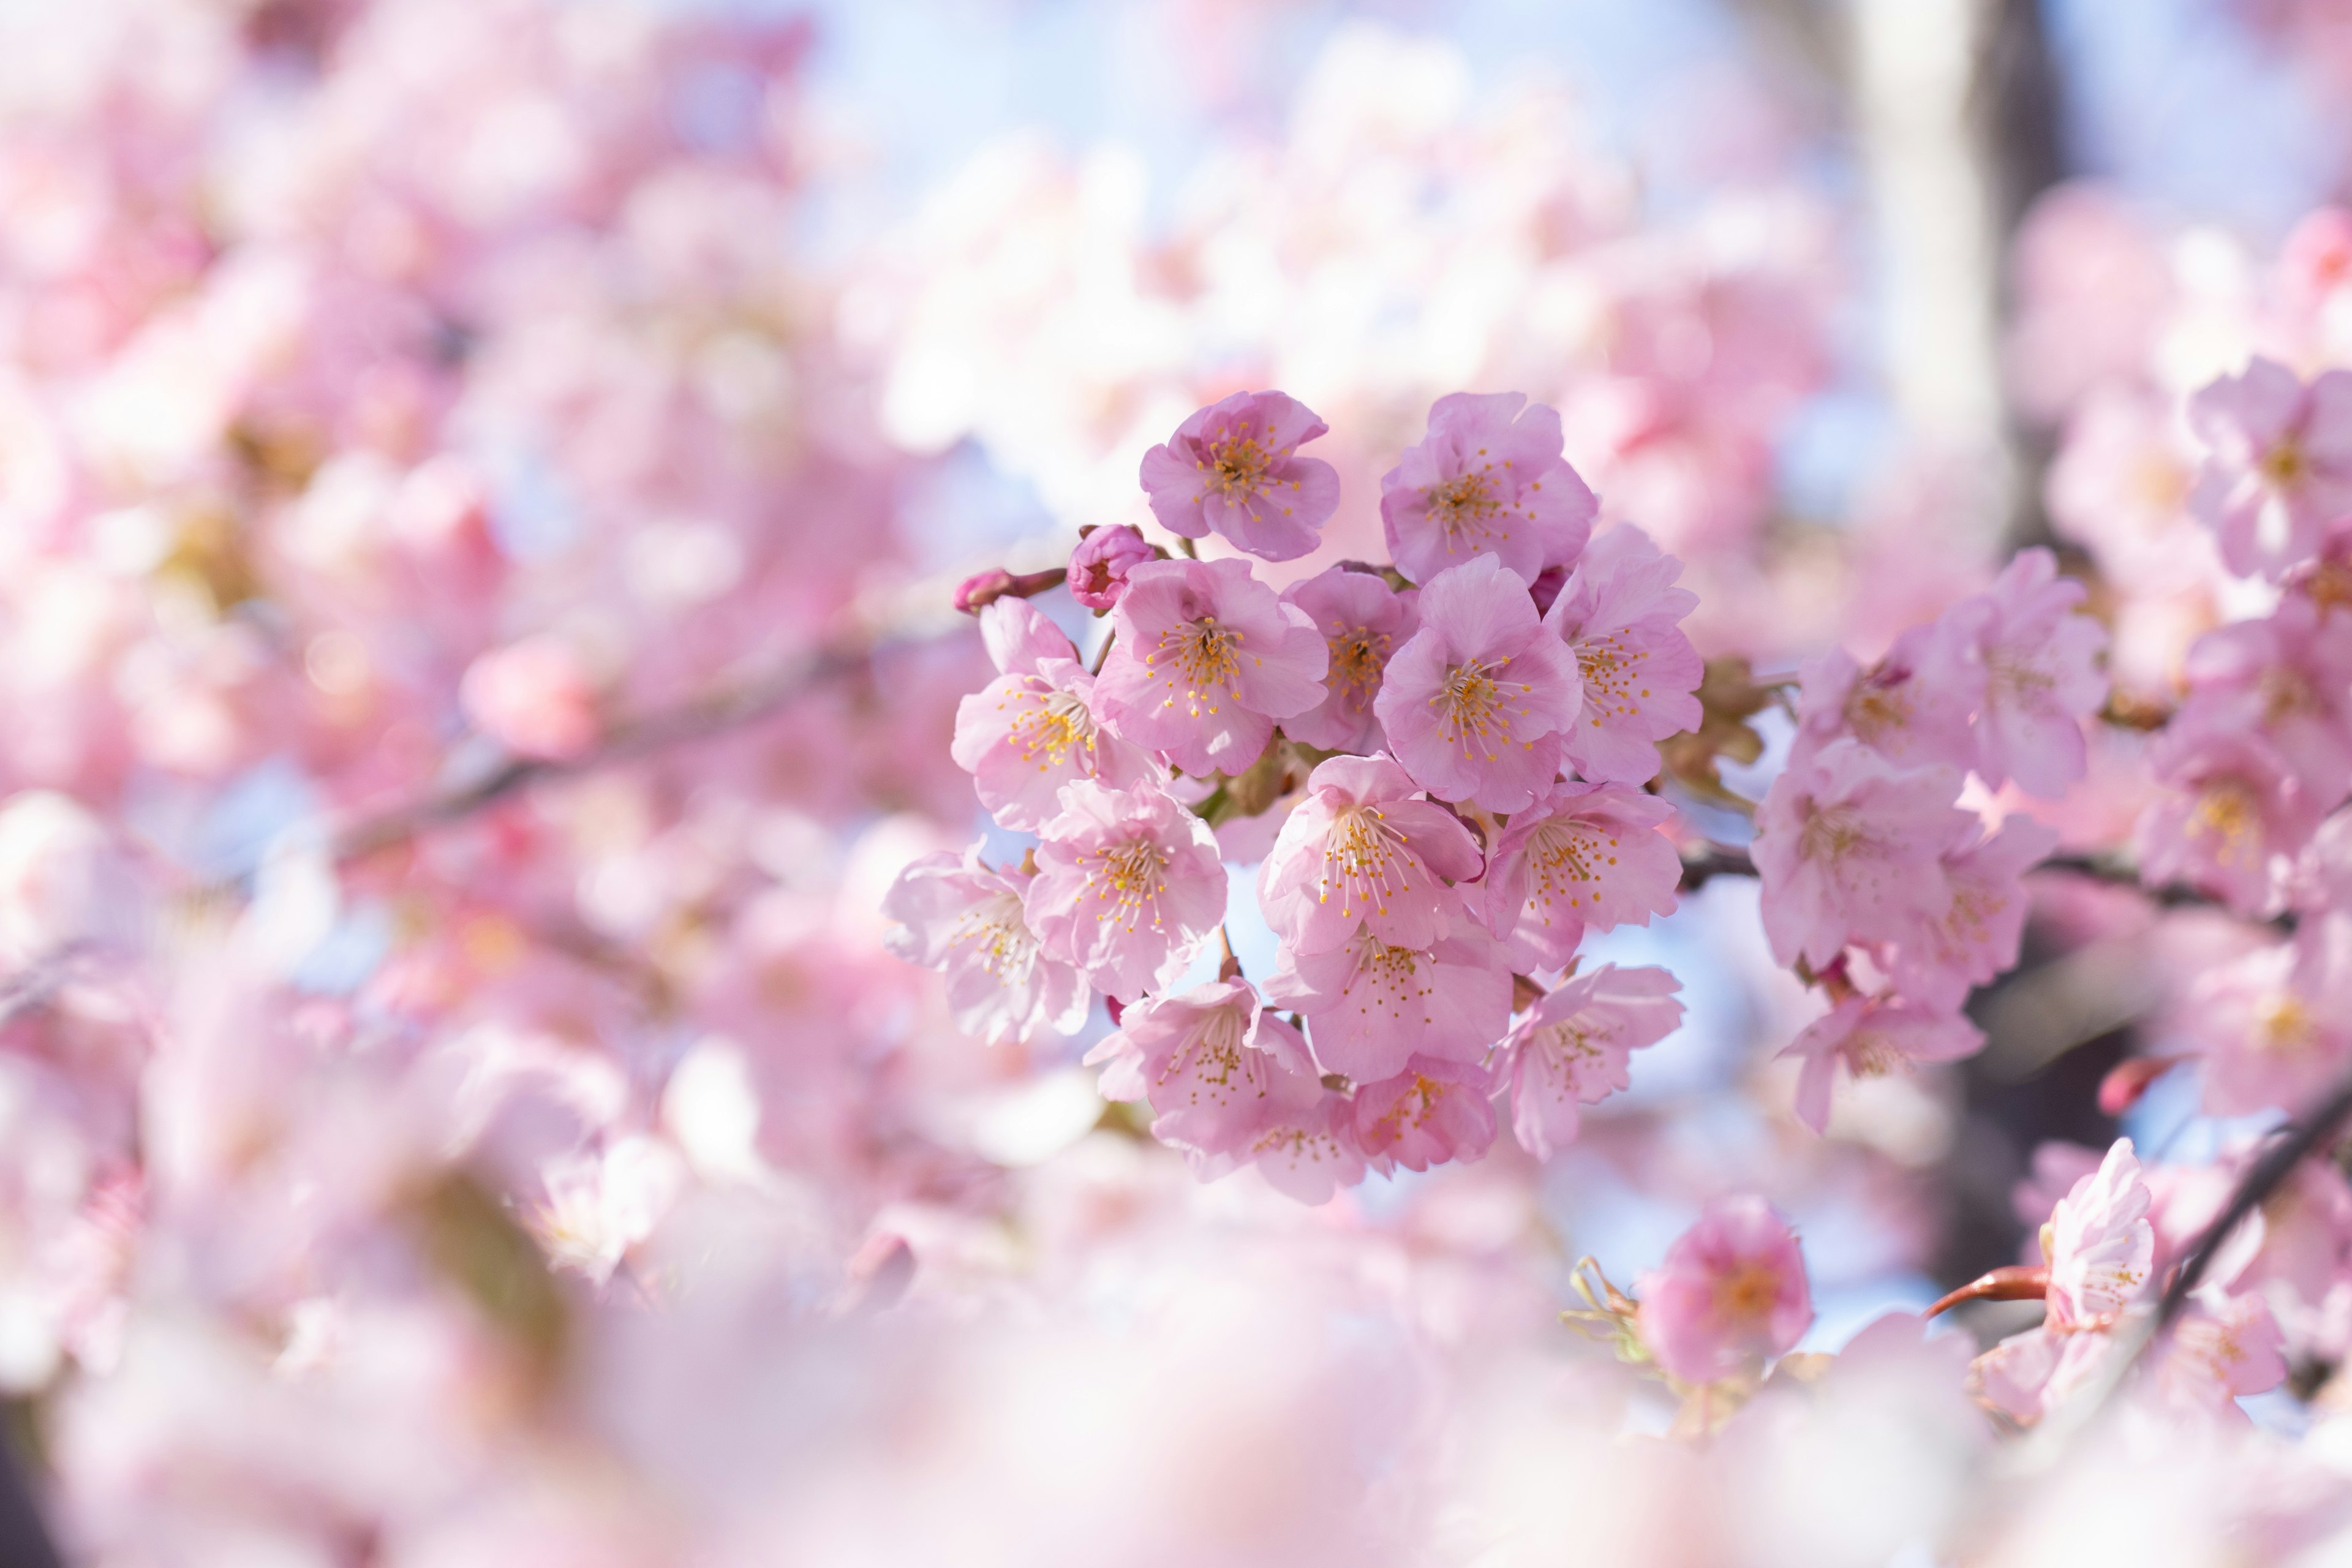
1912	707
1436	1110
1487	479
1870	1038
2220	1347
1850	847
1974	937
1233	468
1583	857
957	914
1217	1069
1363	622
1128	882
1099	565
1575	1047
1361	849
534	697
2099	1244
2273	1027
2288	678
1034	729
1369	1006
1730	1295
2042	675
1019	639
2027	1375
1206	660
1475	704
2232	819
1312	1151
1620	615
2278	465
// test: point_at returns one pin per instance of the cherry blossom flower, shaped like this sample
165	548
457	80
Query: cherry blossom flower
1475	704
1945	952
1099	565
1033	730
1730	1295
2220	1347
1363	622
1361	849
1583	857
1311	1151
1217	1069
1128	885
2272	1027
1233	468
1850	847
2278	467
2231	820
2099	1244
2286	678
2042	677
1912	707
955	914
1620	613
1575	1047
1371	1006
1206	660
1436	1110
1871	1037
1487	479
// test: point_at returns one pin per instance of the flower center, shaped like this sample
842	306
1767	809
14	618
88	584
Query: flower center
1127	878
1000	932
2285	1023
1746	1293
1471	707
1205	655
1359	656
1833	832
1365	862
1237	466
2284	466
1057	725
1611	672
1464	507
2226	811
1565	858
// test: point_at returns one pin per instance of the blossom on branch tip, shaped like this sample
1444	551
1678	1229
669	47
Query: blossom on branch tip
1129	884
1436	1110
1031	730
1218	1070
1871	1037
1233	468
1363	850
1850	847
2042	675
1488	479
1206	660
2230	820
1475	704
1369	1006
2277	472
1575	1048
1098	566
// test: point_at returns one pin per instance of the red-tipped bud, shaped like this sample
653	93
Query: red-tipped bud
982	589
2017	1282
1115	1007
2130	1079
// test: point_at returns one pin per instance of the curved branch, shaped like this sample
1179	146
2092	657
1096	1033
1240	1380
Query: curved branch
2265	1176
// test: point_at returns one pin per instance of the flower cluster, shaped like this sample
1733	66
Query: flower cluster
1448	753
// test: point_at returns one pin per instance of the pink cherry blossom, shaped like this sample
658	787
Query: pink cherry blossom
1028	733
1973	938
1206	660
1309	1151
1871	1037
2041	677
1362	849
1487	479
2278	466
1019	639
1574	1048
1217	1069
1475	704
1127	884
1620	615
1583	857
1912	707
2028	1374
1233	468
1436	1110
955	914
2286	678
2273	1027
1371	1006
2230	820
1730	1295
1363	622
2220	1347
534	697
2100	1246
1850	847
1099	565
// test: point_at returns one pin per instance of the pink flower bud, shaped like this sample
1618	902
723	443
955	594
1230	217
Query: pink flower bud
981	589
1099	567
